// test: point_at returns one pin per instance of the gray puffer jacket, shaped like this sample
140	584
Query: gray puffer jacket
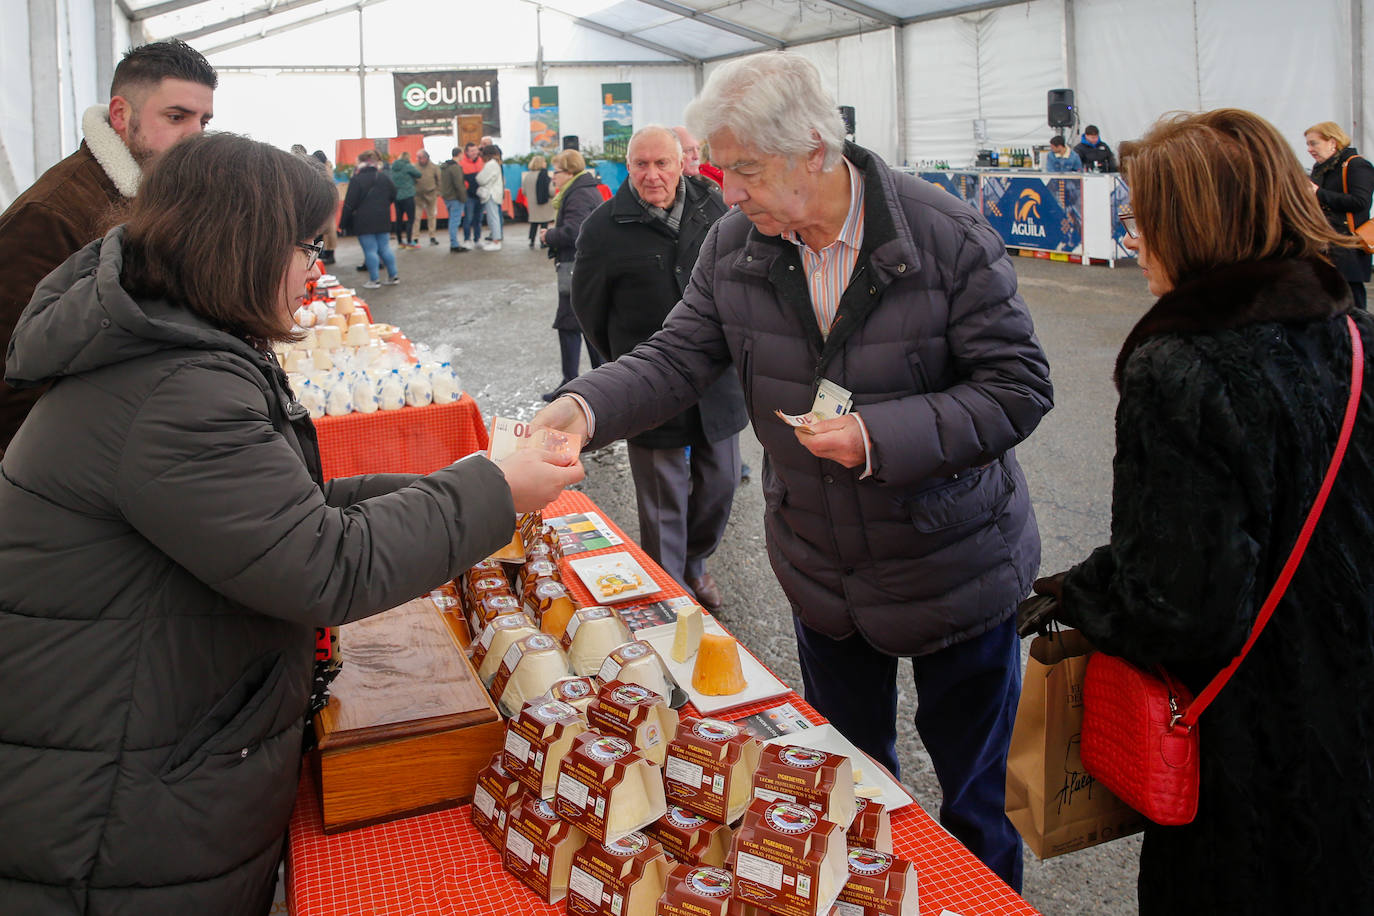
940	543
167	549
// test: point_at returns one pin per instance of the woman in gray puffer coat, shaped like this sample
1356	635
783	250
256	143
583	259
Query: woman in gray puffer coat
169	546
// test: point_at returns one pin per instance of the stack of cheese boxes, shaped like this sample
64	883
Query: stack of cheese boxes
605	799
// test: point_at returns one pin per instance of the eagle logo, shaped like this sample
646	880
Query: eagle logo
1027	205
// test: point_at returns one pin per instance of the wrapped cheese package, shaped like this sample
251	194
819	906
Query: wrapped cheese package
537	740
709	767
788	859
878	884
550	600
696	890
497	637
592	634
607	789
493	798
528	669
540	848
820	780
636	662
625	877
871	827
688	837
636	714
577	692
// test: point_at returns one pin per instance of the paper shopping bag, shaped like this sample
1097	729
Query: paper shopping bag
1051	800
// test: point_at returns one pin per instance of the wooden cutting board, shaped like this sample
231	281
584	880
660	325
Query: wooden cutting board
408	723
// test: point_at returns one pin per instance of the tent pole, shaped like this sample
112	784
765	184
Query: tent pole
362	78
899	84
540	71
1357	70
1070	47
46	88
104	46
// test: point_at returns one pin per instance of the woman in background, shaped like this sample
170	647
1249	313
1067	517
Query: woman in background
170	545
491	191
366	214
1233	387
575	197
1344	184
536	184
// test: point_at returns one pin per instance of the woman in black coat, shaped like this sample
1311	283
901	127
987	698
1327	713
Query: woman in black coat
575	198
1233	387
1344	192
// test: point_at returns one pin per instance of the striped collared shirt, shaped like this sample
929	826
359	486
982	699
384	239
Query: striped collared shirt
828	270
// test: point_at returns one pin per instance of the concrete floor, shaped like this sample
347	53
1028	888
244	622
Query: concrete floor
495	308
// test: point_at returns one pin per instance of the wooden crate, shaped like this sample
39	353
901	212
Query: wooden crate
408	723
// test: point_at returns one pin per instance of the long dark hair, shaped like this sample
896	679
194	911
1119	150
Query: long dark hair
214	226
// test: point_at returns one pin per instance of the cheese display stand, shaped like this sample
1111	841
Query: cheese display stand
440	862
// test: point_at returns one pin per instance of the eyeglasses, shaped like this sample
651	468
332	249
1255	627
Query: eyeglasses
312	252
1127	217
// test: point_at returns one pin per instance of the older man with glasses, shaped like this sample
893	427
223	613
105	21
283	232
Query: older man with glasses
901	528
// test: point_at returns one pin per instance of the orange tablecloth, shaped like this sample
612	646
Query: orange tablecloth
415	440
438	864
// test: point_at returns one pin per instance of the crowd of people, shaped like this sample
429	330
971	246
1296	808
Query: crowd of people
170	543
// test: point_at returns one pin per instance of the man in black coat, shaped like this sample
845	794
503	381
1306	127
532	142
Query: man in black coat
1096	155
635	255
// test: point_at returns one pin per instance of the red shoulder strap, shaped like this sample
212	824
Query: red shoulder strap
1209	693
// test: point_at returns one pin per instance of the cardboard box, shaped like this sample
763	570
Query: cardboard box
696	890
496	794
788	859
637	714
622	878
690	838
879	884
817	779
871	827
540	848
608	789
709	767
537	740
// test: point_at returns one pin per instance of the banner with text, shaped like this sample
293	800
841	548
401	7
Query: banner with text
1040	213
428	102
617	118
544	120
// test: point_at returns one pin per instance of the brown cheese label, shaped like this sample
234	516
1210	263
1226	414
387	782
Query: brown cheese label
533	837
687	836
493	793
591	770
777	857
878	885
604	875
529	735
627	711
797	774
699	767
695	890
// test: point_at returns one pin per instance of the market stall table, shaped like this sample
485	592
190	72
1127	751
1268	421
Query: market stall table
414	440
437	863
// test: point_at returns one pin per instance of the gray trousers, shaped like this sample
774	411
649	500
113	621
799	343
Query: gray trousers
684	503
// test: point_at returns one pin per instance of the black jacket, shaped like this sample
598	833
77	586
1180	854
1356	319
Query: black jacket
580	198
367	205
167	549
1336	201
939	544
1096	156
630	273
1232	391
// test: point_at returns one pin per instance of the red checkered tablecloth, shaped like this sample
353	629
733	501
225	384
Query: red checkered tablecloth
414	440
438	864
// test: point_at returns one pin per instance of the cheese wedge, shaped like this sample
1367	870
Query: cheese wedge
687	633
497	637
527	670
637	663
591	635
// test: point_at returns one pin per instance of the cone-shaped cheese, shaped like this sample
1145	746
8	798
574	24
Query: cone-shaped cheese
537	740
789	858
622	878
637	663
687	634
540	848
553	604
717	672
527	670
497	637
591	635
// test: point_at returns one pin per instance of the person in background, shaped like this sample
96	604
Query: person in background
904	528
691	152
537	185
161	93
635	255
454	188
1095	155
331	231
575	197
170	544
472	213
427	196
1061	158
404	174
367	214
1343	181
491	191
1232	390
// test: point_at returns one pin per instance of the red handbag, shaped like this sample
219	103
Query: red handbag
1140	736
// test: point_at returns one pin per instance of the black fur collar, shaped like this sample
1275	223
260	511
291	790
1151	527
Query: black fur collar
1239	294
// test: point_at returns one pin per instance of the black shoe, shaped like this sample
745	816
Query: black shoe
453	248
549	396
327	256
434	241
361	267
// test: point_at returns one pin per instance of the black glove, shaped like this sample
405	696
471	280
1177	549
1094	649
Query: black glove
1036	613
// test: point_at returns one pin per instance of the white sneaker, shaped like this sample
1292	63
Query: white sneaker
491	246
466	246
372	284
391	281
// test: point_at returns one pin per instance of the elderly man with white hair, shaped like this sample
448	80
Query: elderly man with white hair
902	528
